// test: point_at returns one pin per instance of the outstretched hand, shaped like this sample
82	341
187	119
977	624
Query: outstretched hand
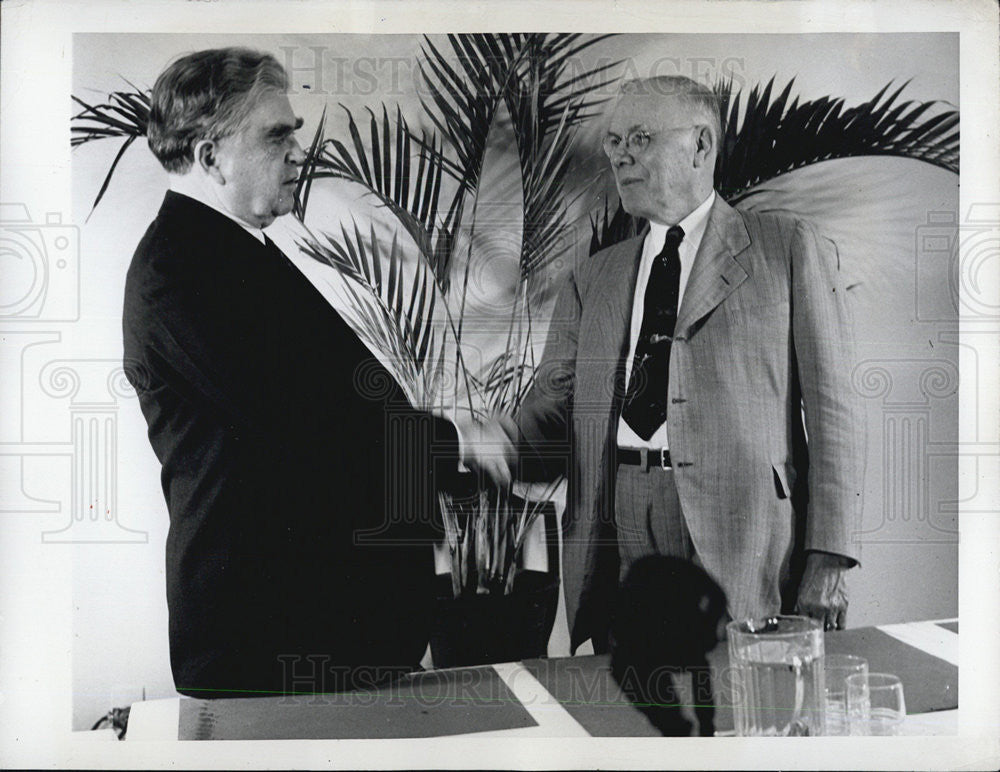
488	448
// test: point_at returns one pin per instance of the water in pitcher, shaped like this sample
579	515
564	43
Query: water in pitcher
778	679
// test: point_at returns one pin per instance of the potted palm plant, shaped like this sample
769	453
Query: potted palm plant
493	98
500	114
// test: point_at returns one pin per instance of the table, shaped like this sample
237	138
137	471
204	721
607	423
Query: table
559	697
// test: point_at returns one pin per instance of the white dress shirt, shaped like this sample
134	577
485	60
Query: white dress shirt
694	228
192	192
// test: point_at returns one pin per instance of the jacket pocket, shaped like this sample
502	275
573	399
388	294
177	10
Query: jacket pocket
784	479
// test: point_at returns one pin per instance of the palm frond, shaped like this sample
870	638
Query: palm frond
552	56
545	203
522	69
463	100
399	324
308	170
526	71
404	174
503	380
525	74
546	111
525	517
610	228
485	533
124	115
776	136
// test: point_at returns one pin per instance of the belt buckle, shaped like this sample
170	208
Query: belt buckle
664	458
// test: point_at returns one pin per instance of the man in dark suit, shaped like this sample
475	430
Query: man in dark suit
301	485
676	370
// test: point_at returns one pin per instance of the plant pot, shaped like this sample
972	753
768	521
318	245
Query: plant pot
481	629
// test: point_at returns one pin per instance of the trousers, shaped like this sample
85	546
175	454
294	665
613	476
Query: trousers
648	516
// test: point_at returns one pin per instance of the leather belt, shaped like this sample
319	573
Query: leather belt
647	458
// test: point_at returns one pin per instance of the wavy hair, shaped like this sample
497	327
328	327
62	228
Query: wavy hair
207	95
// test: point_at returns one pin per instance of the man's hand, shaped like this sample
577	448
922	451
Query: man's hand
487	447
823	591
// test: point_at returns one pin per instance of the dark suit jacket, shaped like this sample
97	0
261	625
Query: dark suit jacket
300	484
764	328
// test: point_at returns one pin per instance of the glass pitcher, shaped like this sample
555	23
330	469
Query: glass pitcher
777	676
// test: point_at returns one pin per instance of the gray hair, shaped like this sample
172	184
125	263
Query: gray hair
207	95
700	99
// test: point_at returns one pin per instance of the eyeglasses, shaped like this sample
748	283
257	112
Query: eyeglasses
635	142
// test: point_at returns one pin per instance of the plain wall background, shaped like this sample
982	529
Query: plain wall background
906	324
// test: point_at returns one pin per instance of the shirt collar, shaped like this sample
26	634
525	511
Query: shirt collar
197	195
693	225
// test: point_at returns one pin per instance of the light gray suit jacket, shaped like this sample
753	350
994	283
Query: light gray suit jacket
763	331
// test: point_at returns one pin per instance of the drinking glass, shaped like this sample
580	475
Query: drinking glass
836	669
875	704
777	671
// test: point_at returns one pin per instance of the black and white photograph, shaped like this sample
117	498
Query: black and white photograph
404	386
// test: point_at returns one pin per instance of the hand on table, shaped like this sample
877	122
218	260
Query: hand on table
823	590
487	447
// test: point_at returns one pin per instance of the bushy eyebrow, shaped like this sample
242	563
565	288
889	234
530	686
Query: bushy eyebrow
633	127
284	129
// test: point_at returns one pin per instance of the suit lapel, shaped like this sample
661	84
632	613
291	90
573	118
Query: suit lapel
614	286
716	271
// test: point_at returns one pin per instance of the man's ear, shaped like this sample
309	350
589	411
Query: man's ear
704	147
206	158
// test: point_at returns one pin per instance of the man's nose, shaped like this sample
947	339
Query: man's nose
621	156
296	155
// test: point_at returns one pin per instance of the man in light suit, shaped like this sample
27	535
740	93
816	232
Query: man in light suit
674	379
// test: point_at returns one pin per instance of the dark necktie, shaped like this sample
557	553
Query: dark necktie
645	407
